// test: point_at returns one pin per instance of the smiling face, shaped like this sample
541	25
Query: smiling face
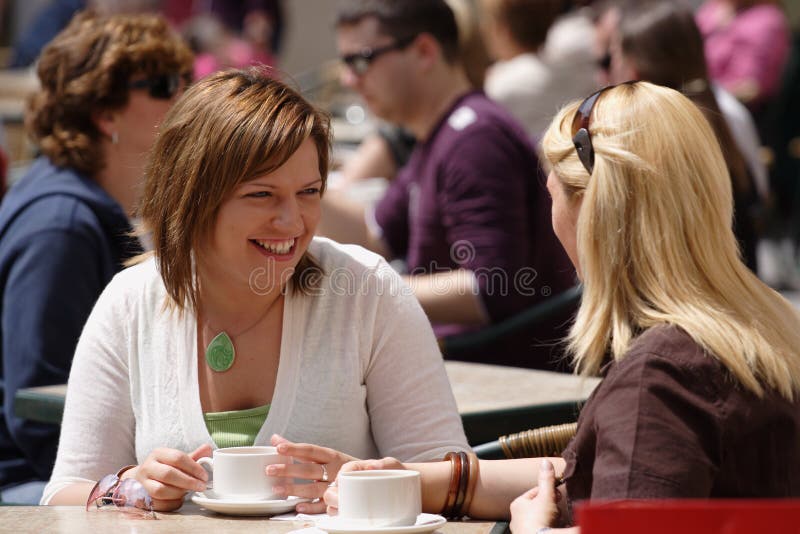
265	226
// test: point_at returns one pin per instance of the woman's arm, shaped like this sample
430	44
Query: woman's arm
97	431
74	494
412	411
499	483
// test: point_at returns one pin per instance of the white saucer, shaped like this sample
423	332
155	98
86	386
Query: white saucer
425	523
211	502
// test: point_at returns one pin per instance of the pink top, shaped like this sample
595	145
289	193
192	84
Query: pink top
752	44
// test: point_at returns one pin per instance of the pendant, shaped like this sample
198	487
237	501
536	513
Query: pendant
220	353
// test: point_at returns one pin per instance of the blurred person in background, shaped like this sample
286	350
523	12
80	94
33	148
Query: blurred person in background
382	153
468	212
106	82
229	33
746	46
658	41
55	16
536	73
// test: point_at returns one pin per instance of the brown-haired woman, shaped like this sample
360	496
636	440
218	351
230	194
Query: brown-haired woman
106	83
243	325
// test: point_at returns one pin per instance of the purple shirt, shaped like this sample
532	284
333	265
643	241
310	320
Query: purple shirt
472	196
752	45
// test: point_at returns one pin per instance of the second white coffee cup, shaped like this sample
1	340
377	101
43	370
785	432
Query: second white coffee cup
240	472
379	498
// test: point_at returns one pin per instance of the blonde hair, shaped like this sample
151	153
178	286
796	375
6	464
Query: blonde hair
655	243
226	129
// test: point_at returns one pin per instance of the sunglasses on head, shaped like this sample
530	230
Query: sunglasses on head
581	137
359	62
162	86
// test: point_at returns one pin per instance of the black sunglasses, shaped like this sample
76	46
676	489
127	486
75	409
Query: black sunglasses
359	62
581	137
162	86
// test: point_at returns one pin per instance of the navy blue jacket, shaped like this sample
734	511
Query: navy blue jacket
62	238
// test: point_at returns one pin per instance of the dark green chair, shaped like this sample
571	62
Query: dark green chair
452	346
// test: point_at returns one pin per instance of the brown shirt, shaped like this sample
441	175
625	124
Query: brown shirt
669	421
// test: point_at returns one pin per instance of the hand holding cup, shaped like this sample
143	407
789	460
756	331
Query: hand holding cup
311	462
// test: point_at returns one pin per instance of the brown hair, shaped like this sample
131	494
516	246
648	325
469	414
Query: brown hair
406	19
663	41
528	21
225	130
87	68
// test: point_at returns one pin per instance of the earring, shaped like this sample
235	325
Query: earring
114	138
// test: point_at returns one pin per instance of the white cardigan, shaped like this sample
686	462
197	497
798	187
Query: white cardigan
359	371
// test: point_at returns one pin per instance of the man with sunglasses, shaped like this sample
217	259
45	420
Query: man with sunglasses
468	212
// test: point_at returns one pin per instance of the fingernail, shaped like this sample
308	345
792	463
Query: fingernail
272	470
546	465
278	489
301	508
199	486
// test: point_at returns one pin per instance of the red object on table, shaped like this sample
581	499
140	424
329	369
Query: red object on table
734	516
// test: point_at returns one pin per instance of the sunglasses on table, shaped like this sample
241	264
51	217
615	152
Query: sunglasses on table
359	62
162	86
581	137
127	495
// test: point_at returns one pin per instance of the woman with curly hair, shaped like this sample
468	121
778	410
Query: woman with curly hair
106	83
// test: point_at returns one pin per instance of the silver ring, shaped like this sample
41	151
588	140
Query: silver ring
324	473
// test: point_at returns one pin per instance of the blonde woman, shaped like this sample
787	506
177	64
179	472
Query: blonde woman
699	358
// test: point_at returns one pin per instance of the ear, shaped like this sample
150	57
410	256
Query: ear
428	50
105	121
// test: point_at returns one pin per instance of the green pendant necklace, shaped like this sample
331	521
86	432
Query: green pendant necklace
220	353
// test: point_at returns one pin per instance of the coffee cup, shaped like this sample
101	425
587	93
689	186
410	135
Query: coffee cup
240	472
379	498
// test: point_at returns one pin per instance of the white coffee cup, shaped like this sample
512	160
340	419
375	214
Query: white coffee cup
379	498
240	472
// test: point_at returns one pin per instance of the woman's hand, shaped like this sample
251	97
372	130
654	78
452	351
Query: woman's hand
331	496
169	474
312	462
538	507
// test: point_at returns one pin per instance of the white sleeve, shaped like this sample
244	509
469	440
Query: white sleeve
412	409
97	431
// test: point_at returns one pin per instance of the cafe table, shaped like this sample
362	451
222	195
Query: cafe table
493	400
191	518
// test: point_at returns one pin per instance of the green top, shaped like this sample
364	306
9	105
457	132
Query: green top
237	428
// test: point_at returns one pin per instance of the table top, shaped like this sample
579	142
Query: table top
191	518
478	388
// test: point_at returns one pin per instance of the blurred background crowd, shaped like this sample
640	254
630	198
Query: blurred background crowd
529	56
